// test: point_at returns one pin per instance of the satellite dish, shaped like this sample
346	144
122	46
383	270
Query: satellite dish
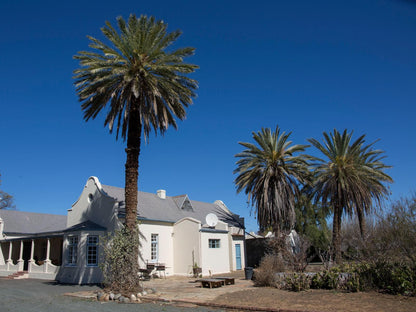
211	219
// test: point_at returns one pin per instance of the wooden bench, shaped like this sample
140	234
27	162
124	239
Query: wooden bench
227	280
211	282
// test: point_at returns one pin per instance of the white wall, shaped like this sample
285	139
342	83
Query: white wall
215	260
100	210
165	248
80	273
186	240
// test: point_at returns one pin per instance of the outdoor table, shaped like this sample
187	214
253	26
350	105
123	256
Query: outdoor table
211	282
227	280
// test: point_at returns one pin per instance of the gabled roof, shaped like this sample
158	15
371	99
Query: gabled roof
151	207
20	222
183	202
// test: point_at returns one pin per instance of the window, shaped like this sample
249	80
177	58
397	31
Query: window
154	248
214	243
92	250
72	250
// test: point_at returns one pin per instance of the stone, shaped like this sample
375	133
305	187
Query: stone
106	297
139	294
153	290
125	300
100	295
144	293
111	296
133	297
117	296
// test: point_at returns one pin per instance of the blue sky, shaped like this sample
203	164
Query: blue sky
308	66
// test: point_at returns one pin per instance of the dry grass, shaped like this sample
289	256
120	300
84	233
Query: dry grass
318	300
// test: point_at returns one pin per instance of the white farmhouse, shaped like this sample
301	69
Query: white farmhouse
175	230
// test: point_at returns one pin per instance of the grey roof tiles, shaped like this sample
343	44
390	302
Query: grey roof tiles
151	207
20	222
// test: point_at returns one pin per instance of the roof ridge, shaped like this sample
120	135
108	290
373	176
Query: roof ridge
183	195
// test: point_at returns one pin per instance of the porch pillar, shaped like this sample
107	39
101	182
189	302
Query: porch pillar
32	251
20	261
9	260
48	251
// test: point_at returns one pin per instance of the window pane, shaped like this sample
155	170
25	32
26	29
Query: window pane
92	250
214	243
154	247
72	250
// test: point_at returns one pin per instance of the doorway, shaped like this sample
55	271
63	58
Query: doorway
27	246
237	256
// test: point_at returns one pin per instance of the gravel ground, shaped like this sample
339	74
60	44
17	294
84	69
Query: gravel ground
44	296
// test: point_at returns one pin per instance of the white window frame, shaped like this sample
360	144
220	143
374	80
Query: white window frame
93	247
72	247
154	247
214	243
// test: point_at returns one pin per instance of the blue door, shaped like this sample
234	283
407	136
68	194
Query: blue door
238	256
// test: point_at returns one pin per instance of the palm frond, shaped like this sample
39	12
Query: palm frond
133	71
270	174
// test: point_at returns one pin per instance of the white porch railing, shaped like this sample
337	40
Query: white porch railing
33	267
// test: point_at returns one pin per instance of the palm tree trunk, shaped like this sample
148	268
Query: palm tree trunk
336	234
132	168
361	221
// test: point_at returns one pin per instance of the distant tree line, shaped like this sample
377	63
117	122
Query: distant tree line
6	200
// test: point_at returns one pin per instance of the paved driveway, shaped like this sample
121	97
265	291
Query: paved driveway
44	296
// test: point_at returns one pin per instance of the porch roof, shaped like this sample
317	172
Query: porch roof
26	223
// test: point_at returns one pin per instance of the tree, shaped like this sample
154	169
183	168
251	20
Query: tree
144	85
350	180
311	223
6	200
270	174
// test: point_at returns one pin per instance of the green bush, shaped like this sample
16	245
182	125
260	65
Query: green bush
297	282
327	279
394	278
120	265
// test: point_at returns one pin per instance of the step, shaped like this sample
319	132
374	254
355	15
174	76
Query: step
19	275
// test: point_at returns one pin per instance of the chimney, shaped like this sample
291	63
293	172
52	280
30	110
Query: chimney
161	194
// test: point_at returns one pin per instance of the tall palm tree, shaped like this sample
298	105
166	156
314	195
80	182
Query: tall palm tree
143	83
270	174
351	179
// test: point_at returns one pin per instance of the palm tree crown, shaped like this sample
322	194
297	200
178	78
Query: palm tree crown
270	174
135	72
350	180
144	85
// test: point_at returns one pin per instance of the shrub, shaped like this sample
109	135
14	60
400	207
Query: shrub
120	265
295	258
394	278
264	275
327	279
298	282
